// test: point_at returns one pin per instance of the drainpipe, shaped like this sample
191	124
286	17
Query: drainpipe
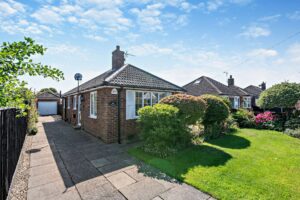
119	114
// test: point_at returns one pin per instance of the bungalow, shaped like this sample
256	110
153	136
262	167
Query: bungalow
106	106
255	91
238	97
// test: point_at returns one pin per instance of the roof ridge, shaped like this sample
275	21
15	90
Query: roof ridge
213	85
113	75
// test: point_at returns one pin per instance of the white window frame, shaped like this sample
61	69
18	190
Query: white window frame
74	102
236	102
69	102
93	105
143	98
247	102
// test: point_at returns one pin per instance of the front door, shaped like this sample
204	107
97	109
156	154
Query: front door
79	110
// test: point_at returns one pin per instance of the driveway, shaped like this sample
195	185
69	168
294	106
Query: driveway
71	164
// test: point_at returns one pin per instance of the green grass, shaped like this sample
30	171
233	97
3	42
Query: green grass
250	164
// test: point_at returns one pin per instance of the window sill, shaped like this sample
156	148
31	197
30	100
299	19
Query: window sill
93	117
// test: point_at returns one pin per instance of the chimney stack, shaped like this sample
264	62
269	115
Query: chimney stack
230	81
263	86
118	58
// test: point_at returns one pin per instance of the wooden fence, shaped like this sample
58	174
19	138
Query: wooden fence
12	135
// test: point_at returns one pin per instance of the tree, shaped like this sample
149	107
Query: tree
16	61
283	95
51	89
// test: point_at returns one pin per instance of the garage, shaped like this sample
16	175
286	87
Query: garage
48	103
47	107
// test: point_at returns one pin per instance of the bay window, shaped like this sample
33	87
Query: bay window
138	99
247	102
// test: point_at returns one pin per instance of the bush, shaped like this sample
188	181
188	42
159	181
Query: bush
265	120
216	113
191	108
294	133
230	125
244	118
293	123
162	129
32	118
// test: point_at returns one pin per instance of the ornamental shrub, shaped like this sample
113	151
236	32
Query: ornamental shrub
244	118
292	123
265	120
294	133
216	113
191	108
162	129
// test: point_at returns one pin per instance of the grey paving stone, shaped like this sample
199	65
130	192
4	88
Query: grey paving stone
68	195
100	162
91	184
106	191
43	169
121	180
157	198
184	192
46	191
145	189
114	168
42	161
135	174
44	179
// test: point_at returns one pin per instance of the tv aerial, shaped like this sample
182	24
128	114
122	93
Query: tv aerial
128	54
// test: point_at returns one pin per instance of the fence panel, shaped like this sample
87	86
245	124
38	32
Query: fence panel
12	135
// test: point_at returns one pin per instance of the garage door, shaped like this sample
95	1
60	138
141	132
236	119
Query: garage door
47	107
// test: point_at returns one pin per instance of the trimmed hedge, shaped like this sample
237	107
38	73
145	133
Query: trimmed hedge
191	108
217	112
162	129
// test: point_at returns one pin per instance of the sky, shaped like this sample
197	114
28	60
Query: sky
178	40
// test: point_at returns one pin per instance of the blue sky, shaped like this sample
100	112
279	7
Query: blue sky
178	40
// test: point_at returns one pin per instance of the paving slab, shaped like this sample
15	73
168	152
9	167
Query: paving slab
100	162
121	180
135	174
43	169
145	189
184	192
44	179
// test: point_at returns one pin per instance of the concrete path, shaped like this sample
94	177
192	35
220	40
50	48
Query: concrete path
71	164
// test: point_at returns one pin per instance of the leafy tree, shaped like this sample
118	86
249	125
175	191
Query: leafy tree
283	95
51	89
15	61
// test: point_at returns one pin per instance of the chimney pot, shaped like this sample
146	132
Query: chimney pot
263	86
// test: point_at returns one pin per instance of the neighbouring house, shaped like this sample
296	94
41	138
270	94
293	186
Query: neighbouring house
238	97
255	91
106	106
48	103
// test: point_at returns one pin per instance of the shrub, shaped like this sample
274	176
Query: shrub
293	123
230	125
32	118
216	113
191	108
162	129
265	120
244	118
294	133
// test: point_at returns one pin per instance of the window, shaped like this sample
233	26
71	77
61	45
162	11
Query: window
236	102
74	102
64	103
69	102
93	104
247	102
138	99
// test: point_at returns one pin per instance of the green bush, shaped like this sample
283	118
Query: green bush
244	118
32	117
162	129
230	125
216	113
292	123
191	108
294	133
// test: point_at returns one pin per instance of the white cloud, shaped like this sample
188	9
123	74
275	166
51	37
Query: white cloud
294	16
147	49
270	18
149	18
255	31
47	16
11	7
263	53
95	37
293	53
213	5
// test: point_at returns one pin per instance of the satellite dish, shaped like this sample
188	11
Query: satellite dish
78	77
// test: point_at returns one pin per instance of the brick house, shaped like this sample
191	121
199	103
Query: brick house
238	97
255	91
106	106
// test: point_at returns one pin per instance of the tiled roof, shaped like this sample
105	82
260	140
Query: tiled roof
128	76
253	90
47	95
206	85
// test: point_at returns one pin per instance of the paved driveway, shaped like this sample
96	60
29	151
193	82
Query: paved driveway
71	164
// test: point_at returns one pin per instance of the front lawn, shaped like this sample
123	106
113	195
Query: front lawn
251	164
